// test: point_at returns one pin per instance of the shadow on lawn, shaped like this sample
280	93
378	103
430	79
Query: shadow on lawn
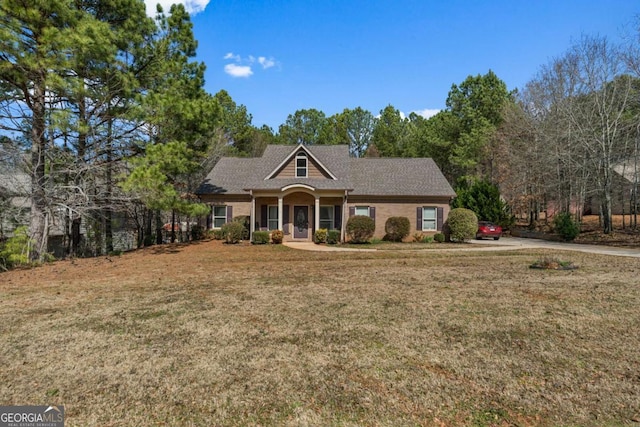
172	248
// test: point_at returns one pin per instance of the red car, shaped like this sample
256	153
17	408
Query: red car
488	229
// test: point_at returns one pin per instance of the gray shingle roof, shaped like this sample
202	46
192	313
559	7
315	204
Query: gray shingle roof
375	177
398	177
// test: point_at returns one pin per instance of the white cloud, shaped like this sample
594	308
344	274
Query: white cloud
191	6
235	70
427	112
241	67
231	55
266	62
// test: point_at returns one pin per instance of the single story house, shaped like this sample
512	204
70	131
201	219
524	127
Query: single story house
299	189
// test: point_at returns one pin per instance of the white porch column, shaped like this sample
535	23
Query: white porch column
317	213
280	213
252	219
343	223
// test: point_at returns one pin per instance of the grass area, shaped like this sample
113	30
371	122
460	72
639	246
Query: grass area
210	334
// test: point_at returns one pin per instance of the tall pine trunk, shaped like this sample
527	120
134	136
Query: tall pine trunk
38	227
108	212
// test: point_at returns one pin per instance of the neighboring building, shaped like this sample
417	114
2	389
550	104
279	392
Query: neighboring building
299	189
15	209
624	198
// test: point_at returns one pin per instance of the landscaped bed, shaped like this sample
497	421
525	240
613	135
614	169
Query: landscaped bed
215	334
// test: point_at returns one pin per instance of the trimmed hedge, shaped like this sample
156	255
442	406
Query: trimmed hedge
333	237
320	236
397	228
360	228
461	225
233	232
245	220
260	237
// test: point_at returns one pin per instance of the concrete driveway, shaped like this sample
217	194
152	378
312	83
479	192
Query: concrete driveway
521	243
504	244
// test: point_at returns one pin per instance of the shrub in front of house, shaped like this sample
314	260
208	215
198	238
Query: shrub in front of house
320	236
397	228
217	234
423	238
565	226
277	236
260	237
360	228
439	237
233	232
333	237
461	225
197	232
245	220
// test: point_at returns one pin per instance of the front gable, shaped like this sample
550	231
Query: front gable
291	165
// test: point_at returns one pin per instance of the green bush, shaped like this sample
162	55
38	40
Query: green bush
197	232
15	251
462	224
277	236
483	198
217	234
360	228
233	232
333	237
245	220
565	226
320	236
397	228
260	237
439	237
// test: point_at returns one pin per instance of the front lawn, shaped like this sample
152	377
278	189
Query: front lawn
211	334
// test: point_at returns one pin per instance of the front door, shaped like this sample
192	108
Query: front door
301	222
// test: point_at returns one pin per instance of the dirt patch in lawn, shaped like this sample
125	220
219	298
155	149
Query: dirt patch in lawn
210	334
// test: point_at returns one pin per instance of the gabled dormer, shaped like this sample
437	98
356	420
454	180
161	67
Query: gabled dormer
301	164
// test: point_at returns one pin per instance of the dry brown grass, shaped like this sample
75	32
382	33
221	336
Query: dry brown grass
210	334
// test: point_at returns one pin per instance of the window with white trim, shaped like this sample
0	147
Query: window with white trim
326	217
302	165
219	216
362	210
272	217
429	219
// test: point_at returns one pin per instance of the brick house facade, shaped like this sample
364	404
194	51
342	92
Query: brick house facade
299	189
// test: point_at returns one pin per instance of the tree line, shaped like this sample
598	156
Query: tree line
104	109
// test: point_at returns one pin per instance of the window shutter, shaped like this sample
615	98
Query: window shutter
372	213
285	219
439	215
210	219
229	213
263	217
352	211
419	218
337	217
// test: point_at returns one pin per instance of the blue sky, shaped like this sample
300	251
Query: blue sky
276	57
